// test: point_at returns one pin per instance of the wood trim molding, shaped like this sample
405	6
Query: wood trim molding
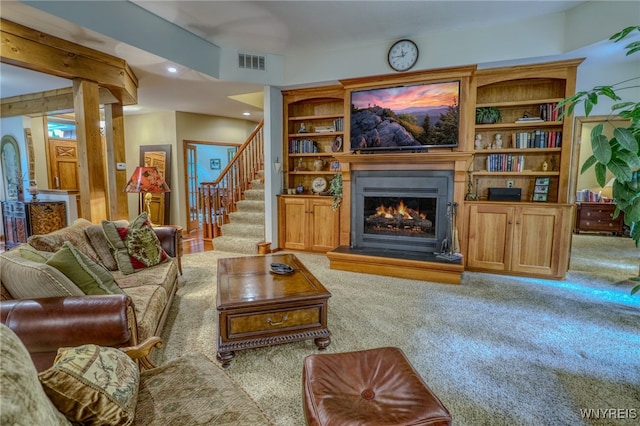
34	50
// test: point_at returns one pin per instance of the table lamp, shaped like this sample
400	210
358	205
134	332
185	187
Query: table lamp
146	180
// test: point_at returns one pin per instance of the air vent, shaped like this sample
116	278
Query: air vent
251	62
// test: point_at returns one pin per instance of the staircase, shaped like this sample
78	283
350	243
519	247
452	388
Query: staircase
232	206
245	229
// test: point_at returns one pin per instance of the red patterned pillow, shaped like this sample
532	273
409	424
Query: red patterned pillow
135	247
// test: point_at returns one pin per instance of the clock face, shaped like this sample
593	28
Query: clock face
318	185
403	55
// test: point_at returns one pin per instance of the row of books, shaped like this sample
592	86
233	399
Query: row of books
537	139
338	124
302	146
548	112
505	163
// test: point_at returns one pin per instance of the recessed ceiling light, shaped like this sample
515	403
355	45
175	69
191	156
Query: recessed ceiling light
172	69
246	113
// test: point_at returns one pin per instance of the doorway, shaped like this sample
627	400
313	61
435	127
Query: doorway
203	162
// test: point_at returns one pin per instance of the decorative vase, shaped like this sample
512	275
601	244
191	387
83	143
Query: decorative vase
300	189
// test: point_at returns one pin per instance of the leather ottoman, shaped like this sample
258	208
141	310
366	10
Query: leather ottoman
370	387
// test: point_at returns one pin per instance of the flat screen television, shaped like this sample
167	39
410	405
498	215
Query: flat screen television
409	117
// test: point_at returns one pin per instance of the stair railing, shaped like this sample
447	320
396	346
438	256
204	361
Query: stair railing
219	198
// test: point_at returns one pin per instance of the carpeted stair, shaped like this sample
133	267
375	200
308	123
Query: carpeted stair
246	225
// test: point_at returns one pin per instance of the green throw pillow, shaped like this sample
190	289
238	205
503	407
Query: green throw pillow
94	385
135	247
90	277
28	252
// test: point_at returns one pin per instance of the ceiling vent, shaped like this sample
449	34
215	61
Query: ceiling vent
251	62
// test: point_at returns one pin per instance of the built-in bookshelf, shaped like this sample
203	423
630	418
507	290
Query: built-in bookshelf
314	123
532	140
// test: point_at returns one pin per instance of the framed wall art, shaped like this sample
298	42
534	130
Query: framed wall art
214	163
541	189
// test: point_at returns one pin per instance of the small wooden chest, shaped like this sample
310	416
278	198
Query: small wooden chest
598	217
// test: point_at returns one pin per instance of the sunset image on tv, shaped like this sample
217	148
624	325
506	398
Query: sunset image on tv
416	116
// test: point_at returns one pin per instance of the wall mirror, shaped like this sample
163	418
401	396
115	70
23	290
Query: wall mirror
160	157
12	179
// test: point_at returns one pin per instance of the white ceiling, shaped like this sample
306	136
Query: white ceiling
274	27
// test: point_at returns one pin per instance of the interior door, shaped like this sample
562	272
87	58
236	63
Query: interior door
191	182
63	164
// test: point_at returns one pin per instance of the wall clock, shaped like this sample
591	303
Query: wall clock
319	185
403	55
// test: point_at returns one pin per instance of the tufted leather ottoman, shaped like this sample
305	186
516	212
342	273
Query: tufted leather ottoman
370	387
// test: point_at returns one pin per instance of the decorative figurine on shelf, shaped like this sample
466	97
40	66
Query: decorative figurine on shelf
478	142
33	190
545	166
470	195
497	141
300	189
302	129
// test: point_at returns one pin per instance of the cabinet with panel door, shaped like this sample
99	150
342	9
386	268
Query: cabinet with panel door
21	219
525	239
307	223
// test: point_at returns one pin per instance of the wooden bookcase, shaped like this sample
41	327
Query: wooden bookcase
526	237
517	91
306	220
321	111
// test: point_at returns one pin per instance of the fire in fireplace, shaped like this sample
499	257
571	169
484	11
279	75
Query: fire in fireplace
400	210
392	216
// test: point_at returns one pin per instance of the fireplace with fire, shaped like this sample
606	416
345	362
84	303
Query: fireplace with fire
400	213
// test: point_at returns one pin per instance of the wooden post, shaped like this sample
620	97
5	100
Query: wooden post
115	153
91	170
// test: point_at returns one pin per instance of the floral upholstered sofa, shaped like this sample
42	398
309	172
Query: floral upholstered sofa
91	384
111	282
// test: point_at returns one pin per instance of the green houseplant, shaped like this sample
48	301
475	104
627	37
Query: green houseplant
488	115
335	189
620	154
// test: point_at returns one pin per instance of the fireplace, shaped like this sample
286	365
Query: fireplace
402	211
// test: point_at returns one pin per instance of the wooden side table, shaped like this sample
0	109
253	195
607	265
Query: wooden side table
598	217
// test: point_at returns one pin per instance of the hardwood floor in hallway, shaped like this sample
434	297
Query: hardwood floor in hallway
193	243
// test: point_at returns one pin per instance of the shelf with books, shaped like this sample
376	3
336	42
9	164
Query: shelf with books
314	134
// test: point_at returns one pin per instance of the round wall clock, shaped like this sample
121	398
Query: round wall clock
319	185
403	55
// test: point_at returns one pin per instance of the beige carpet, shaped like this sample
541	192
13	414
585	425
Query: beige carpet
497	350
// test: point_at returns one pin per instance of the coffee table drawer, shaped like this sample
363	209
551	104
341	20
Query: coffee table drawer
265	322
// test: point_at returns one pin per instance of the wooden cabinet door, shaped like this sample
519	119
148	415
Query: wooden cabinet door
325	226
295	223
536	241
490	237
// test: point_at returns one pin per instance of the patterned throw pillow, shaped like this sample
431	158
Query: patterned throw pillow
91	277
93	385
136	246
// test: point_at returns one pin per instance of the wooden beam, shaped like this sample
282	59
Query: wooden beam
115	153
91	169
48	102
31	49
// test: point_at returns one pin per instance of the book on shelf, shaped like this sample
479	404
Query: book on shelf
325	129
505	163
550	111
302	146
529	120
537	139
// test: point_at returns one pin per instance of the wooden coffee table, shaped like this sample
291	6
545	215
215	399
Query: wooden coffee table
257	307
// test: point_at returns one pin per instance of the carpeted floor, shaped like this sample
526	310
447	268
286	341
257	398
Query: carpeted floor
497	350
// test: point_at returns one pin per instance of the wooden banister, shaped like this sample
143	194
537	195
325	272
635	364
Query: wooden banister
220	197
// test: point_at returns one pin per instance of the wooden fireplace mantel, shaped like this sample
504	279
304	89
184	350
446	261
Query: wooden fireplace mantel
341	258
